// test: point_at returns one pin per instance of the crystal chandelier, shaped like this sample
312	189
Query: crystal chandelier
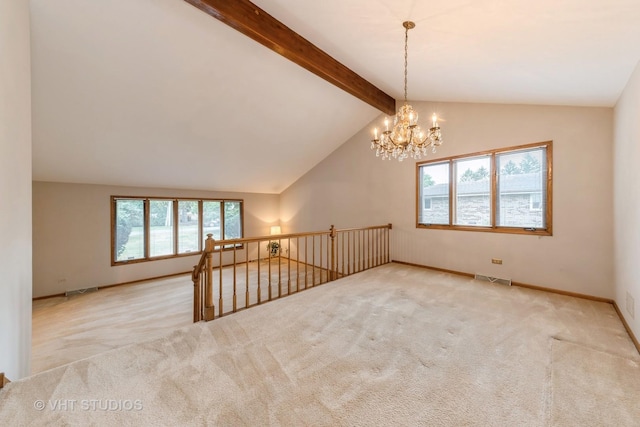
406	138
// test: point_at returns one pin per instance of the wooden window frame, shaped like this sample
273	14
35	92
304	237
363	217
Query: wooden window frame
146	226
493	228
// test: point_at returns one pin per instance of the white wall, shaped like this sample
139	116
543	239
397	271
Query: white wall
72	234
353	188
627	200
15	189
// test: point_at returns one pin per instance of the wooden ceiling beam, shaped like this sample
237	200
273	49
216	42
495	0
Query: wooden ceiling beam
254	22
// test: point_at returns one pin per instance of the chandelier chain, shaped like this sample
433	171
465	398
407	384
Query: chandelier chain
406	54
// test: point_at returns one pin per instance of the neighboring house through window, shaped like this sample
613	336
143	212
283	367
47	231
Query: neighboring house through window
507	190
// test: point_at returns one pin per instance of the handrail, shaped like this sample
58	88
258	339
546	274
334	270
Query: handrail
328	255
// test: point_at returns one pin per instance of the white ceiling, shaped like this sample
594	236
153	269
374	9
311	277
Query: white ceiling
156	93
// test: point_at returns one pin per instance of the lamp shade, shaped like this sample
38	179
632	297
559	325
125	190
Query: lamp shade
275	229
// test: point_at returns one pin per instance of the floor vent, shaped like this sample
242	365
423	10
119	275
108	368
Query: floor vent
79	291
493	279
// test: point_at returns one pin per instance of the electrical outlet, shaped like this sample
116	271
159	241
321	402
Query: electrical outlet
631	306
496	261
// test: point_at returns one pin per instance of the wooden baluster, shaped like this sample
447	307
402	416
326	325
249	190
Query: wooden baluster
313	264
348	237
380	245
361	241
220	308
210	309
235	297
376	234
288	266
297	264
306	261
246	277
279	269
269	255
259	288
333	251
321	265
369	247
331	246
389	243
341	237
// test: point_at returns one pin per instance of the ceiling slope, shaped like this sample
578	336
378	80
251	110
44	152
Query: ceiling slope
257	24
156	93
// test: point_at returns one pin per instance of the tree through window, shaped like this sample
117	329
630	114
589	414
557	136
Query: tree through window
156	228
507	190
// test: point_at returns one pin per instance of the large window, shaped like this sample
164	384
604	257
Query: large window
507	190
145	228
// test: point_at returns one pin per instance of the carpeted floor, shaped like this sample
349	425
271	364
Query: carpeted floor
66	329
395	345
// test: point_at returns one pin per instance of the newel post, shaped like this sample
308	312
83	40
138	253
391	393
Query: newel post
332	234
209	307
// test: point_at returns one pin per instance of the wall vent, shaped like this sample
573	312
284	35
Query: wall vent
493	279
80	291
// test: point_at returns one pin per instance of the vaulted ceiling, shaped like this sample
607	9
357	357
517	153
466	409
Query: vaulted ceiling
157	93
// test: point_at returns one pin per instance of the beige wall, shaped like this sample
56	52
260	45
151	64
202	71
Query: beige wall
15	189
352	188
71	234
627	200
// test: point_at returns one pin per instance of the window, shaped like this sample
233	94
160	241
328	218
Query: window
434	185
146	229
188	226
161	237
506	190
129	225
473	192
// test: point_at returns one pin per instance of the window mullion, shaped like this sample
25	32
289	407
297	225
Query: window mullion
201	224
494	192
222	233
452	195
146	228
176	224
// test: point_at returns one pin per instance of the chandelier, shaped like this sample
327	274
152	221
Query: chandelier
406	138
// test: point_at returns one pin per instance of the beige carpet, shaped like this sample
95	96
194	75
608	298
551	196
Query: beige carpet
394	345
66	329
593	388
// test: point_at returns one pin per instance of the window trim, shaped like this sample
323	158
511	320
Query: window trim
147	235
493	228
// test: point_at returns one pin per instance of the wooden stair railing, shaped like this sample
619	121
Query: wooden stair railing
302	260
